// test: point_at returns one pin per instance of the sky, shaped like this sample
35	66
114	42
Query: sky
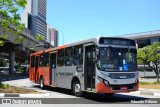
81	19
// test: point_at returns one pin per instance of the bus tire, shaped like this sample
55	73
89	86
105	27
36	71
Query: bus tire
41	83
76	88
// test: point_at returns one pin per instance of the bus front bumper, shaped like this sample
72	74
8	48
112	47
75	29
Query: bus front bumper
101	88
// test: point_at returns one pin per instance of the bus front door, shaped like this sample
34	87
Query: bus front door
52	69
89	68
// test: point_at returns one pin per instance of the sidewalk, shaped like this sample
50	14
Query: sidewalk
26	83
146	91
147	79
141	91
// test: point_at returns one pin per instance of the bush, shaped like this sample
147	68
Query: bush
4	86
19	68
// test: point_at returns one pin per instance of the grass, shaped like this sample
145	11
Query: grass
148	77
5	88
150	85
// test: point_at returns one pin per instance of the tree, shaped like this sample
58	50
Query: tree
142	57
39	37
150	55
9	16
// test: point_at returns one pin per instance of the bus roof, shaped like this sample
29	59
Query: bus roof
94	40
91	40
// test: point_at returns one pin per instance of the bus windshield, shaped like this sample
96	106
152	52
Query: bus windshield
117	59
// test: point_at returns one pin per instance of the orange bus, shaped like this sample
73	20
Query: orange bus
101	65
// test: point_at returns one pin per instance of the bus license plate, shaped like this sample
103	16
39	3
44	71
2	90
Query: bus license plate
123	87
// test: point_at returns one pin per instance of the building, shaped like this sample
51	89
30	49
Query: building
48	39
144	38
34	17
54	37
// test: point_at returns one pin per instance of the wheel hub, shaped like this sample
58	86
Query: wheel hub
77	88
41	83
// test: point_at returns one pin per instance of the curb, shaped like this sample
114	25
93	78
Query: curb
25	95
156	94
2	95
34	95
136	92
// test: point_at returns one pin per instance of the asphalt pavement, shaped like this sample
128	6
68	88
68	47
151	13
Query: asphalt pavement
64	96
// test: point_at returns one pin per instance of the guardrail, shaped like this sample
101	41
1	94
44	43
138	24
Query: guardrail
26	32
148	33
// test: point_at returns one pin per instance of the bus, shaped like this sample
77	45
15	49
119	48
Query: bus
101	65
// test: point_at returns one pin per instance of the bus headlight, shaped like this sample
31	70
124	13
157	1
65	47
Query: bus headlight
100	79
103	81
106	82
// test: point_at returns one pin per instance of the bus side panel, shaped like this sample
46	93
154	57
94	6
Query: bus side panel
46	71
65	74
43	71
31	73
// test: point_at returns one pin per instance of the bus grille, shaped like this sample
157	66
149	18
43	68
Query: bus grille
117	87
121	75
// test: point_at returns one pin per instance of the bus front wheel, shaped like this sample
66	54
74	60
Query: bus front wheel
41	83
77	89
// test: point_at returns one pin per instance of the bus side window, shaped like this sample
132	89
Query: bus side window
78	55
46	59
68	56
32	61
41	60
60	58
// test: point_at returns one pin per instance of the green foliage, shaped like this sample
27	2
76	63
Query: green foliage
19	39
39	37
9	15
3	36
4	86
148	83
3	62
1	43
31	49
19	68
150	55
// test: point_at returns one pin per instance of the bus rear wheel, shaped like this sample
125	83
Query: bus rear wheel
76	88
41	83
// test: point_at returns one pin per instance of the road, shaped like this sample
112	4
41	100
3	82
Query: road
88	98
